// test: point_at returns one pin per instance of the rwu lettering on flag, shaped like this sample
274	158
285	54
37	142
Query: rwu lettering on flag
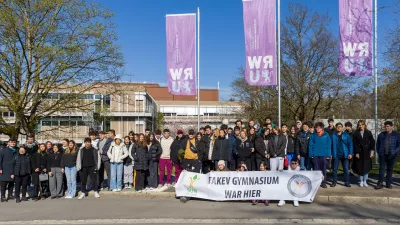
259	17
355	20
181	53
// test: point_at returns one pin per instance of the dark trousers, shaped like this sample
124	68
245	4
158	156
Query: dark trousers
321	163
7	185
345	165
107	166
153	174
386	163
21	182
140	179
232	164
84	174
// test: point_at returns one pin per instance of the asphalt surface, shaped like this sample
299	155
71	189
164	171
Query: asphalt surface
156	210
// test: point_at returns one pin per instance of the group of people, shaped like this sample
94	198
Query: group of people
142	160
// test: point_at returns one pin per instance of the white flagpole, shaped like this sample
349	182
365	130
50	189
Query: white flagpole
375	60
279	63
198	68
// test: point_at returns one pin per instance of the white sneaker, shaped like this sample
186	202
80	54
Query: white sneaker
129	186
296	203
151	189
114	190
281	203
160	186
82	196
68	197
118	190
140	191
361	184
96	194
365	184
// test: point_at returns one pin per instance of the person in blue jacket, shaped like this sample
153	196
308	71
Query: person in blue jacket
388	148
320	150
342	152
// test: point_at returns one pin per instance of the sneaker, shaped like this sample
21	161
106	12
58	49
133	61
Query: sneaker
68	197
151	189
281	203
254	202
128	186
82	196
379	186
146	189
296	203
365	184
114	190
167	185
324	186
184	199
333	184
18	200
140	191
347	185
96	194
118	190
24	199
361	184
389	186
266	203
160	186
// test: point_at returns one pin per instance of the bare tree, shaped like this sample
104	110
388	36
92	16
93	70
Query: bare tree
64	46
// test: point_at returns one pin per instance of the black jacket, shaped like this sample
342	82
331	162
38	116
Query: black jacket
104	151
277	150
363	145
221	149
68	160
244	149
140	155
22	165
291	145
54	160
39	161
155	152
260	147
7	163
176	145
31	148
302	143
201	149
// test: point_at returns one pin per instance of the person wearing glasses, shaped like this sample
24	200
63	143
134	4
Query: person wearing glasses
388	148
294	167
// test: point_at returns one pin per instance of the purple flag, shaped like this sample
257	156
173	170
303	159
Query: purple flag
355	18
260	37
181	51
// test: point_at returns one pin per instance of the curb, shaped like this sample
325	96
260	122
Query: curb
318	198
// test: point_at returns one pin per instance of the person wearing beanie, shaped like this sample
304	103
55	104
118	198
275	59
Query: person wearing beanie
222	166
320	150
117	153
7	156
88	164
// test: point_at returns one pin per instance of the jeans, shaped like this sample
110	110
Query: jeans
153	174
386	163
71	173
104	165
364	178
116	175
345	164
321	164
305	163
165	163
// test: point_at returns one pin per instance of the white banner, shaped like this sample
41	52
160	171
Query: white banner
224	186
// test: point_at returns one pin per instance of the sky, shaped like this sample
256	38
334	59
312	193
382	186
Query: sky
141	31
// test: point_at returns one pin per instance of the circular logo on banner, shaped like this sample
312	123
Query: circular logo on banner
299	186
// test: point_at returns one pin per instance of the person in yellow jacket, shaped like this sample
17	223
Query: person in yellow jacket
194	152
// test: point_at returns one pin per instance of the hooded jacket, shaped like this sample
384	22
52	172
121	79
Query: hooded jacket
122	153
320	146
346	143
244	147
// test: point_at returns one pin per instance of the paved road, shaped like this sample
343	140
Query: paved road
122	210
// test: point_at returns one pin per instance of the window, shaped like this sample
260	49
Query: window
81	123
139	106
211	114
46	123
54	123
64	123
97	97
11	114
107	100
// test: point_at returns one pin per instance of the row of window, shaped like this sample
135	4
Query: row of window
63	123
205	114
79	96
8	114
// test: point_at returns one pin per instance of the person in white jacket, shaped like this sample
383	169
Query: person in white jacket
293	167
117	153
